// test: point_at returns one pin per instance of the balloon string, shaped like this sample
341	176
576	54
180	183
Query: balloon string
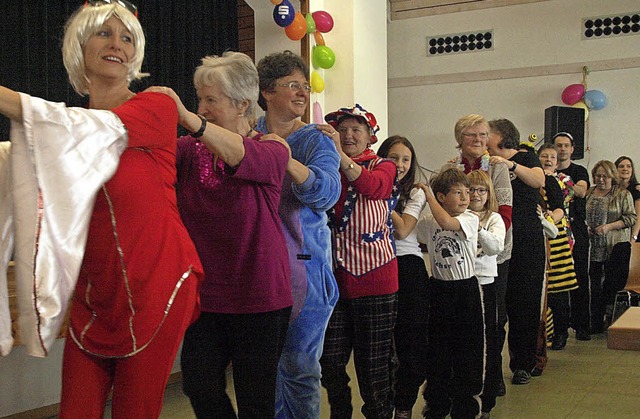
585	73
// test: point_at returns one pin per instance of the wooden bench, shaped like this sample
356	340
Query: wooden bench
624	333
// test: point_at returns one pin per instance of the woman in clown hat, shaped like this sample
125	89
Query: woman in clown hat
365	268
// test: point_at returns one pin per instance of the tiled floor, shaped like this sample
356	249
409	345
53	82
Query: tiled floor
585	380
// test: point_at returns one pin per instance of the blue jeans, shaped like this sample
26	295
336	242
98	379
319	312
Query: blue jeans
298	379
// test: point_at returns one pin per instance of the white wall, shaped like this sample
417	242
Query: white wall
543	35
358	40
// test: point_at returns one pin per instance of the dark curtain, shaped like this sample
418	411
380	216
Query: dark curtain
178	33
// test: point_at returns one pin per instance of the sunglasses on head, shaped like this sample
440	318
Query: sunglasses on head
124	3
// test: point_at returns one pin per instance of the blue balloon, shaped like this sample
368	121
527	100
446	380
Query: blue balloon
595	99
284	13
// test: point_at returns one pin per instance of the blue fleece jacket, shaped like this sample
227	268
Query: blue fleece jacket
303	210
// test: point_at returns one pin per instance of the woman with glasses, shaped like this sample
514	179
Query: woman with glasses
628	180
310	189
229	188
610	217
106	215
527	265
471	134
365	267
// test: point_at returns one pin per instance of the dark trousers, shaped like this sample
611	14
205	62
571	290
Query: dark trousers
559	304
579	298
607	278
410	335
252	343
501	306
455	355
524	294
493	364
364	325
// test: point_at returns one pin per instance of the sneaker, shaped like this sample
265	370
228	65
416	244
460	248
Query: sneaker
536	372
582	334
402	414
520	377
485	415
501	389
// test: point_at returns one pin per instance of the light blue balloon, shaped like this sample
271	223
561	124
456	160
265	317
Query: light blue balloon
595	99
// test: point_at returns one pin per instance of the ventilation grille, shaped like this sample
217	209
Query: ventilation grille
459	43
608	26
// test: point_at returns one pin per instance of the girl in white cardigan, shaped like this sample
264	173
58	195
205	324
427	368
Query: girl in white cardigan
491	235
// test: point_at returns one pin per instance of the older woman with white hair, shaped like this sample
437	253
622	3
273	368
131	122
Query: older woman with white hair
471	134
229	188
106	222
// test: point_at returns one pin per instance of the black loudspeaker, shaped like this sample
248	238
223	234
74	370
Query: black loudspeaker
566	119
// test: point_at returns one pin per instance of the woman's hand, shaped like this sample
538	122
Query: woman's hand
602	230
331	132
182	110
493	160
277	138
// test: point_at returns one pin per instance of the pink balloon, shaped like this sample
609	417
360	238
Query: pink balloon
318	117
324	21
573	93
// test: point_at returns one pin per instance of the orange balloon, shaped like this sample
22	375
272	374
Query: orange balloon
298	28
319	38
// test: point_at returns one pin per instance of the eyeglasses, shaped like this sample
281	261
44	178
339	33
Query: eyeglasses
480	191
482	135
601	176
294	85
124	3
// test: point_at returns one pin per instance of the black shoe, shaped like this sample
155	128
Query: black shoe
501	389
536	372
582	334
520	377
559	342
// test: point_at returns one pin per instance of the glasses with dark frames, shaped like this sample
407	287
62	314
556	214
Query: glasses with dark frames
480	191
124	3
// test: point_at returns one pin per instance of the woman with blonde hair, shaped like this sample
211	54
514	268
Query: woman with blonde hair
610	216
491	237
106	225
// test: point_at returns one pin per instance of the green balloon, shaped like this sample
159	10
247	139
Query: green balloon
311	24
323	57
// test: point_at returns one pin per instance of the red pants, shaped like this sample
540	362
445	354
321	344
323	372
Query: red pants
138	381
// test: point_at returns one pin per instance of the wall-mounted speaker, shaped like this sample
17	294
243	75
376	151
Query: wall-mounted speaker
566	119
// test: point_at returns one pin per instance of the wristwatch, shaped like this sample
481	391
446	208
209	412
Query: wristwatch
351	166
512	168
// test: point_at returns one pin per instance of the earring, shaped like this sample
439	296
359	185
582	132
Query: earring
240	115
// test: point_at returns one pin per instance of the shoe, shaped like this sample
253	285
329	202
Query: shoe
559	342
485	415
501	389
520	377
582	334
402	414
536	372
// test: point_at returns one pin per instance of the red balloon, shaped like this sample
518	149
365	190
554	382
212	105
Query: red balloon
572	94
324	21
298	28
